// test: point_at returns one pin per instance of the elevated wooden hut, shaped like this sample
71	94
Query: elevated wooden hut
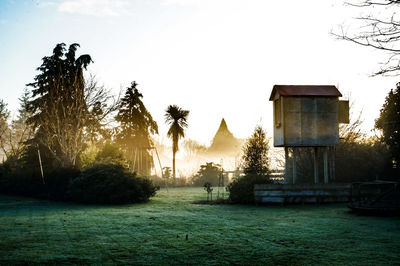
308	116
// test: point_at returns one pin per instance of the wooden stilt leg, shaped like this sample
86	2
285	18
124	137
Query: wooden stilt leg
294	165
287	176
315	157
326	177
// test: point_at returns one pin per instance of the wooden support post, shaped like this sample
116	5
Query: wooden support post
326	177
294	164
287	164
332	163
315	157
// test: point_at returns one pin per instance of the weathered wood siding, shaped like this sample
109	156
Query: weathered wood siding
299	193
311	121
307	121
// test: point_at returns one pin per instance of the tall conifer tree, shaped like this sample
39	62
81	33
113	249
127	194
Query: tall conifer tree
58	108
136	129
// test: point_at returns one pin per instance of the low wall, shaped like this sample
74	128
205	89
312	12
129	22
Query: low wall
301	193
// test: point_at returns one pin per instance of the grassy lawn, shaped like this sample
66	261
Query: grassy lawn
36	231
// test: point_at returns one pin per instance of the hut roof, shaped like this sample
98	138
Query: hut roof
305	90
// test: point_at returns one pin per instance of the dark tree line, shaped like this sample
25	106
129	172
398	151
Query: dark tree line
379	29
64	114
389	123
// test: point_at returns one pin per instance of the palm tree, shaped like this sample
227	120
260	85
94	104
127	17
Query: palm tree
176	117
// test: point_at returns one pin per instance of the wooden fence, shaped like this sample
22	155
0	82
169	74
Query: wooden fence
301	193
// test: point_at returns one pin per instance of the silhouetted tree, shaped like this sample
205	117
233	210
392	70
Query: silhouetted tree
255	168
193	148
389	123
101	103
20	130
255	154
58	107
224	142
136	127
209	172
380	29
64	108
166	172
176	117
4	127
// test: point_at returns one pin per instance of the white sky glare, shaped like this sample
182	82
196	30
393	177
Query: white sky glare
215	58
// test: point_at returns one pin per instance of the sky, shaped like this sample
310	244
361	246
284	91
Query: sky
216	58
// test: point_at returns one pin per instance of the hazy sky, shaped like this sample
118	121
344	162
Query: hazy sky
216	58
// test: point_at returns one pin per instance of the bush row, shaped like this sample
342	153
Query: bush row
97	184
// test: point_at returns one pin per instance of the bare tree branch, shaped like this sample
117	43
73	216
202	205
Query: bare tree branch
379	31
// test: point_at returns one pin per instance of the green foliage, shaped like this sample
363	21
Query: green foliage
255	153
110	184
255	160
241	189
209	173
176	118
110	153
389	123
136	127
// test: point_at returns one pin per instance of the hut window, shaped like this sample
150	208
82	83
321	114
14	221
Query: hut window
277	111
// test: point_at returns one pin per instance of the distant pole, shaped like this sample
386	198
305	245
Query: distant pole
219	178
294	165
326	177
315	157
223	183
40	163
287	164
162	174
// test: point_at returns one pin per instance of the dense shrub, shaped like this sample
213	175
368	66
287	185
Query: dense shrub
58	181
256	162
28	182
110	184
209	172
241	189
